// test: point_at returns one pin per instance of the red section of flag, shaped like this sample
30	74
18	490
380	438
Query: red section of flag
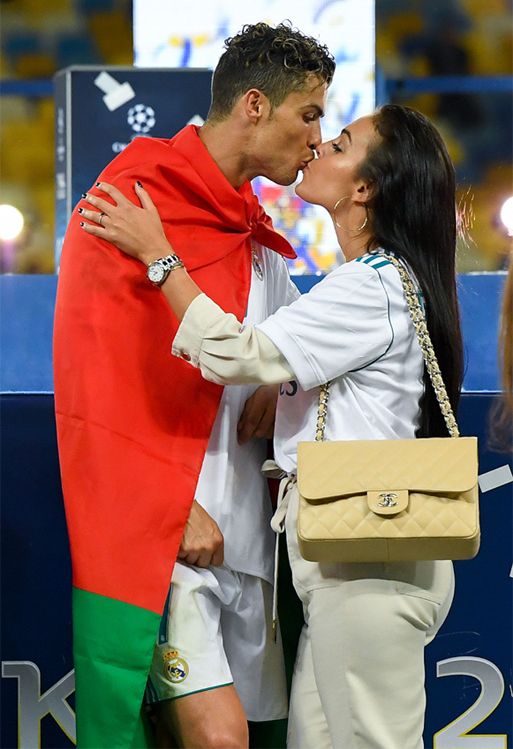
134	422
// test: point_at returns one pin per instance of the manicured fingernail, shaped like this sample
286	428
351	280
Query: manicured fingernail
97	184
82	223
138	184
80	210
84	195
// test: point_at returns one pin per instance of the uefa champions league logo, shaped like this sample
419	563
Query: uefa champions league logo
141	118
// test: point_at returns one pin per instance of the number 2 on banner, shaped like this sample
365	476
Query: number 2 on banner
455	735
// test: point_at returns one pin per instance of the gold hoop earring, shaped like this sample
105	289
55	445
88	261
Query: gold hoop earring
339	201
358	228
365	222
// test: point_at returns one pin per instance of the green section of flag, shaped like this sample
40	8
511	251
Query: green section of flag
112	648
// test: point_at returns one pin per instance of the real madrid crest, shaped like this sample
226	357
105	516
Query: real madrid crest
175	667
257	267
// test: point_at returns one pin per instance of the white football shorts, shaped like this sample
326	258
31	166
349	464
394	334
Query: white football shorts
217	630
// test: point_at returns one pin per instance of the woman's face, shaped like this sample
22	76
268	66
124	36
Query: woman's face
335	173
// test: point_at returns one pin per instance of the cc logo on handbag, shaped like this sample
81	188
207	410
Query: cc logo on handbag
387	499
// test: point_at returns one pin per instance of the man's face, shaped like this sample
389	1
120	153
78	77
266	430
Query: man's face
286	136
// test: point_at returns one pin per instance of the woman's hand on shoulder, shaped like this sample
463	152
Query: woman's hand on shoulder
138	232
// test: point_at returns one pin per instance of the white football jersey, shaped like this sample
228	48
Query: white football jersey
354	330
231	487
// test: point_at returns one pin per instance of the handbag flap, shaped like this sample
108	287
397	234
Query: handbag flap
343	468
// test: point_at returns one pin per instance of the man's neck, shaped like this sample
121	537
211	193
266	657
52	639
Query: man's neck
226	148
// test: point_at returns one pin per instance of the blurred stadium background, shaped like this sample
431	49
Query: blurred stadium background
416	39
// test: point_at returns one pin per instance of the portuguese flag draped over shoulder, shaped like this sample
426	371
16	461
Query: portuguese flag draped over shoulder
133	422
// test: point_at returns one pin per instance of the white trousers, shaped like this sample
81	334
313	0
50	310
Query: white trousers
359	675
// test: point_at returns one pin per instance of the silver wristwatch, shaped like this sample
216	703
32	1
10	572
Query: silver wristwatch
159	270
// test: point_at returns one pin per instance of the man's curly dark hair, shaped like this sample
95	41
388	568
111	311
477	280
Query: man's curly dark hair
275	60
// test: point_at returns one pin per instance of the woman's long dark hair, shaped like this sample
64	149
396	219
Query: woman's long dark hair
501	417
413	214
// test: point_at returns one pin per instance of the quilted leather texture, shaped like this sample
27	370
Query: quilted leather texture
437	524
344	468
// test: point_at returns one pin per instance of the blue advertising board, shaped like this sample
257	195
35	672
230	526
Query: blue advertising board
98	111
468	666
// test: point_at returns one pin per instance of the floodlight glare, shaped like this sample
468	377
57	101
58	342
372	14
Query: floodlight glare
11	222
506	215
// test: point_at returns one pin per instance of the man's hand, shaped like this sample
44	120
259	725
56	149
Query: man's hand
257	418
202	542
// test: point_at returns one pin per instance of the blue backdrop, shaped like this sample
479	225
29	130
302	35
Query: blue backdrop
468	667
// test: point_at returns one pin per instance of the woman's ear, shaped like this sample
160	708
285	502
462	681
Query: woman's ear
363	191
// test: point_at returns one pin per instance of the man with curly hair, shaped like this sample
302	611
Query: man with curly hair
169	467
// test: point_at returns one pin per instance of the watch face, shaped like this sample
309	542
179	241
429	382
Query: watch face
156	272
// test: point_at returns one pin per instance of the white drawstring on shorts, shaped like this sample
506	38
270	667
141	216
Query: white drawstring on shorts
272	470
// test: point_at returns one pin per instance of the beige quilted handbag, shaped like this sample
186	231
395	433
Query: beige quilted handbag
390	500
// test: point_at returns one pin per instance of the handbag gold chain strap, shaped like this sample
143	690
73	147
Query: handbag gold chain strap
428	352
